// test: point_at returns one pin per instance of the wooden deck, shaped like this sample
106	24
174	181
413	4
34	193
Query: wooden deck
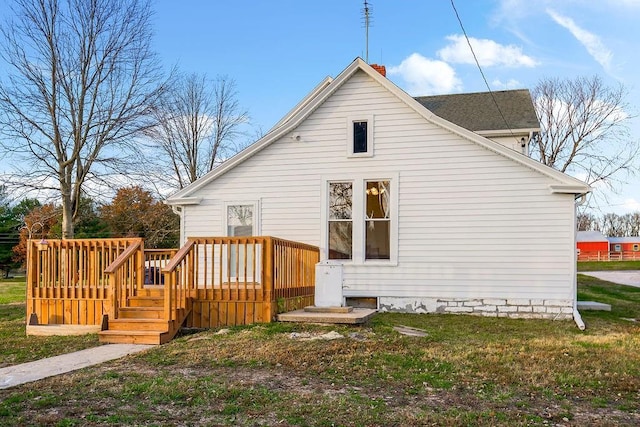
145	296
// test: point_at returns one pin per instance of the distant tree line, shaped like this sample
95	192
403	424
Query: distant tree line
133	212
611	224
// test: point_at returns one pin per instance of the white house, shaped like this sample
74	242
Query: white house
420	214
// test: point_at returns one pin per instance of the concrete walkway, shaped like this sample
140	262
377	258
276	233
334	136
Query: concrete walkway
623	277
33	371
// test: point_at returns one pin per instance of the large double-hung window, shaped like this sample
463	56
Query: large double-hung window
361	220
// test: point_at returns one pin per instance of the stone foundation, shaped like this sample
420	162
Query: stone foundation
489	307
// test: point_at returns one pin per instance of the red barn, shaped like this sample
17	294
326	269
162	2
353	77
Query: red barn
592	245
627	248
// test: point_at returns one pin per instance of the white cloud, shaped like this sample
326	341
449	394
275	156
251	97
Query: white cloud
488	52
590	41
631	205
425	76
509	84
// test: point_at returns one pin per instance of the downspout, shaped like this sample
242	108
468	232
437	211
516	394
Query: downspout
576	314
178	210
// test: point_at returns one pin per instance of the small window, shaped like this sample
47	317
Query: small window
636	247
617	247
360	136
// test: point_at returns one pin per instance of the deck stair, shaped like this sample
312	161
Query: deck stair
142	321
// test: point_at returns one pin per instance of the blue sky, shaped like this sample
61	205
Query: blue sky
278	50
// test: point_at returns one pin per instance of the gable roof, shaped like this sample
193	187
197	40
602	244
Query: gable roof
478	112
564	183
632	239
591	236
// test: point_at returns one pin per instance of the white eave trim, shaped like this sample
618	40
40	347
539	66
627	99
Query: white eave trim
569	189
507	132
184	201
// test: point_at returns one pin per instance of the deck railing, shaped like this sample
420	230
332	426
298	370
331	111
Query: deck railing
226	280
66	282
133	270
125	276
294	268
224	271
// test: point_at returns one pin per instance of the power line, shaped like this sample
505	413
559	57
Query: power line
475	58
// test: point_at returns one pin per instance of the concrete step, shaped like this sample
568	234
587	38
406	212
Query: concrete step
593	305
356	316
314	309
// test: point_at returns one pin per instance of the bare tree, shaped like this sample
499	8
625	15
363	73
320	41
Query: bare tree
633	224
584	129
81	84
199	124
613	225
587	222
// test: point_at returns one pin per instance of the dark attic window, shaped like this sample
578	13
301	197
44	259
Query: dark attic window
359	137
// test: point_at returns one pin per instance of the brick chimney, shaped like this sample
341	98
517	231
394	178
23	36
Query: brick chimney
380	68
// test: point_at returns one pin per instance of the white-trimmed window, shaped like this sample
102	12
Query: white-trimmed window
340	221
617	247
360	220
377	220
241	219
636	247
360	136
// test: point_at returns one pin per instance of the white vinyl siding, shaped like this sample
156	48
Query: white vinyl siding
471	223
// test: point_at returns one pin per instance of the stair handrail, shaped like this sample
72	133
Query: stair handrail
175	287
117	289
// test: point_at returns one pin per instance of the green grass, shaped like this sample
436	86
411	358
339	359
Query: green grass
608	265
12	291
466	371
15	346
625	300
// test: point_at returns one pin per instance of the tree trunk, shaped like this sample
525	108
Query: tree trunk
67	217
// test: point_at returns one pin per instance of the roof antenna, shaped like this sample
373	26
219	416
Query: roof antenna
366	11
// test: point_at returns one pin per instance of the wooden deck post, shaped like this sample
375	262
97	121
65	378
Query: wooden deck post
140	269
268	275
32	267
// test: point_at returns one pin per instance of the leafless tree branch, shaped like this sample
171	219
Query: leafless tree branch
199	123
81	87
584	129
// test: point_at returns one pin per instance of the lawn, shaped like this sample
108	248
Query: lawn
12	291
16	346
608	265
465	371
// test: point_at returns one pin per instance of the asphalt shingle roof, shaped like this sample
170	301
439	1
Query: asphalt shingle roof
477	111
